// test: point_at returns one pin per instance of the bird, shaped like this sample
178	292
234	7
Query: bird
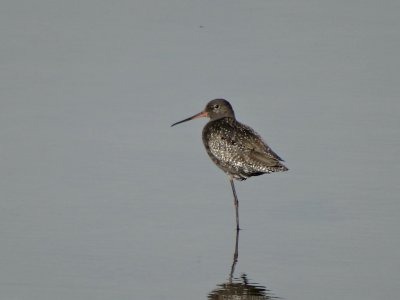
234	147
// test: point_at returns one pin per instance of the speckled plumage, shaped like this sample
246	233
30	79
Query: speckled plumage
238	150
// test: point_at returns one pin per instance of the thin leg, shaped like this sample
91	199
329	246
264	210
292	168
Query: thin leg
235	257
235	202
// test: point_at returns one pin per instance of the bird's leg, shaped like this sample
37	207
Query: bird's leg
235	257
235	202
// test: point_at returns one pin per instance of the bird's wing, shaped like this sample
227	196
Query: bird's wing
241	145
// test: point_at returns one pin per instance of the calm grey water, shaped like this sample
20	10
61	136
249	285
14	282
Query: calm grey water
101	199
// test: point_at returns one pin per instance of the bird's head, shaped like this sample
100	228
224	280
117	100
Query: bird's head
215	109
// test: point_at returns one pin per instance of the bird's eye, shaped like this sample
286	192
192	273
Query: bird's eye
216	106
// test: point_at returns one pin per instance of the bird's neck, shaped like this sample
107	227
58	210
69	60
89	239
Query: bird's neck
223	120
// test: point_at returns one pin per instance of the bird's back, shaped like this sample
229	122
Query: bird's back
238	150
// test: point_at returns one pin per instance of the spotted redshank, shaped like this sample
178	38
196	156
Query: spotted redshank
234	147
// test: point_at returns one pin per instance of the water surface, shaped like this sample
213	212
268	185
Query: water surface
101	199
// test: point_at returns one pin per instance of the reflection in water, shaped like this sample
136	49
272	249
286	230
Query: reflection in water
239	288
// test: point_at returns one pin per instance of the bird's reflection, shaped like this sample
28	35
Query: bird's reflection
239	287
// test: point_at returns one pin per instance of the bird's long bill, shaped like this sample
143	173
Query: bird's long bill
199	115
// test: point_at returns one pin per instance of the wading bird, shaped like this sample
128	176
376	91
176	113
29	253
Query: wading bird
234	147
